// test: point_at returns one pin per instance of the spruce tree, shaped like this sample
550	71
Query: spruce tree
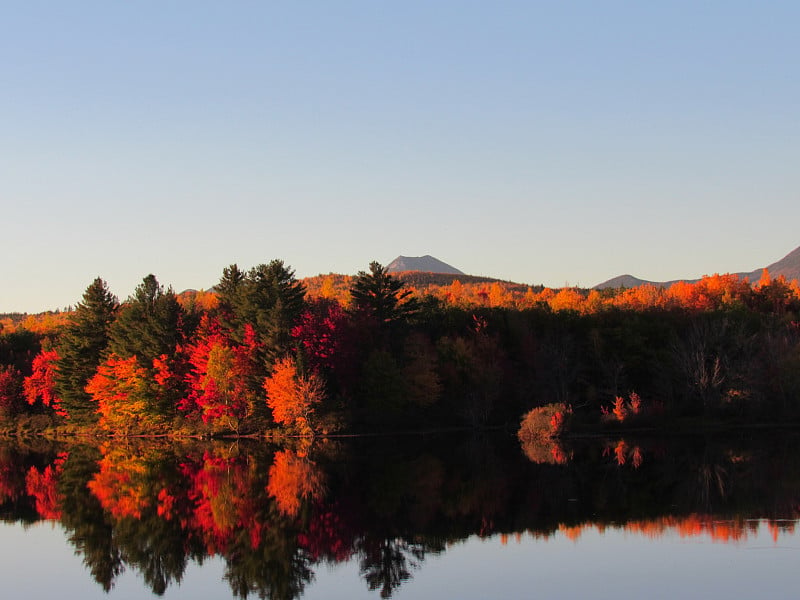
381	296
81	348
278	299
148	324
269	299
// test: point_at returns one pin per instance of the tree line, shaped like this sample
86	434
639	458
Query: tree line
262	353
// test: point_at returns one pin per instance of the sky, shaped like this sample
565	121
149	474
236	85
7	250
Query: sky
556	143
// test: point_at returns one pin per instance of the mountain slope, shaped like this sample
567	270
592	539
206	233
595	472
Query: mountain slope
788	266
427	264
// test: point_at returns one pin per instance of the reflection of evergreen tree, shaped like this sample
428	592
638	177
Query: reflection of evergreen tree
154	546
386	563
84	520
277	569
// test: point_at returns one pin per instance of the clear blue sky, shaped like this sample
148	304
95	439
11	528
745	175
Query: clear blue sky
542	142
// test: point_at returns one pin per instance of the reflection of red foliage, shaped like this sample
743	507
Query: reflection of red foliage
623	452
620	452
166	504
327	536
223	503
636	457
43	486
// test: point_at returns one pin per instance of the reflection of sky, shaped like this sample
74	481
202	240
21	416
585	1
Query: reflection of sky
610	565
38	562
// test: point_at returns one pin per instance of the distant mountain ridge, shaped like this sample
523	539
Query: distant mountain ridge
788	266
426	264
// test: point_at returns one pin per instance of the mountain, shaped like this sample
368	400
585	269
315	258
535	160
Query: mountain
788	266
622	281
427	264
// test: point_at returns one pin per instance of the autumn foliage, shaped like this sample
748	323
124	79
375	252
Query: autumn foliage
219	377
40	385
293	479
293	396
120	389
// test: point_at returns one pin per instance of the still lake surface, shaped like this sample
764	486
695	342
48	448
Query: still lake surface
446	516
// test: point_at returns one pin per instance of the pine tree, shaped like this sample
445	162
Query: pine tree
81	348
380	295
148	324
279	300
269	299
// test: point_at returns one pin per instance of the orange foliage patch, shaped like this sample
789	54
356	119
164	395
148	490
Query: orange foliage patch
291	480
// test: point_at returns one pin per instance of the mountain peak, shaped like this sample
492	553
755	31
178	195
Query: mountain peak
427	264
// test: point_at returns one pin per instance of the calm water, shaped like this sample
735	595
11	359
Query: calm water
406	517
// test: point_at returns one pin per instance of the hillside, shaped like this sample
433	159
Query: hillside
788	266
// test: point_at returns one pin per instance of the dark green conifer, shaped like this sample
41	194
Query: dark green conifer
380	295
268	298
81	348
149	323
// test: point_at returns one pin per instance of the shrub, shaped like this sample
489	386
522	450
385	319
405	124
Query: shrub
545	422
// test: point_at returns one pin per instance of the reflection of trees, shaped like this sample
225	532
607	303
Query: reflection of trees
277	569
274	516
386	563
154	547
293	479
84	519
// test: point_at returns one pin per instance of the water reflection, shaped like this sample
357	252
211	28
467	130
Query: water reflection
275	515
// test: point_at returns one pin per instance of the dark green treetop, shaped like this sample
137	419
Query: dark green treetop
268	298
381	296
149	323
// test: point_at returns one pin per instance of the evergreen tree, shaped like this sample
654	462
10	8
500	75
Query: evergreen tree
148	325
269	299
379	295
81	348
230	291
278	299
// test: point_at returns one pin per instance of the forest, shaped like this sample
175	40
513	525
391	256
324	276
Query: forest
264	353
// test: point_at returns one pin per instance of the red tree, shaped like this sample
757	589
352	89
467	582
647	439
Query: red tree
40	385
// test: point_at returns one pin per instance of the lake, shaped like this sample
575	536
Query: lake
437	516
